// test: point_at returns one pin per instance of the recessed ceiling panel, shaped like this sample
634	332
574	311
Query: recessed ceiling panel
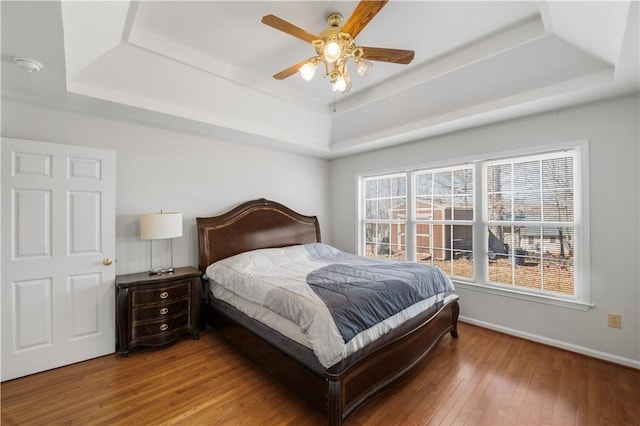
545	62
228	38
206	67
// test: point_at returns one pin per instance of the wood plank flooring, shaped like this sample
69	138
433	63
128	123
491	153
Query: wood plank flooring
482	378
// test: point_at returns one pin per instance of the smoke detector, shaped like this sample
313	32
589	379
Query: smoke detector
28	64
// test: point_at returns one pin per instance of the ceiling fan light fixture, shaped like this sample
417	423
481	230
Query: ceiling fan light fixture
332	51
340	85
336	46
308	70
363	66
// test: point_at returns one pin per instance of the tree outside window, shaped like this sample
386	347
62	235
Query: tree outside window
525	207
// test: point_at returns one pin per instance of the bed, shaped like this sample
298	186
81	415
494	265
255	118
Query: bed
262	229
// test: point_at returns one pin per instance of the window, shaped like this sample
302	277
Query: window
444	213
385	215
506	224
530	222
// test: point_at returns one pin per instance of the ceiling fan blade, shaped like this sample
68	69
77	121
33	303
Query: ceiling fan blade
291	70
396	56
286	27
363	13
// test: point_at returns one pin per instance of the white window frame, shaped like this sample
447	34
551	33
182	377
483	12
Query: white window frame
439	222
362	220
582	298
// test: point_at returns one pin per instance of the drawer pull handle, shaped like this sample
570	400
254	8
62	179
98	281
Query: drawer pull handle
164	311
164	327
164	295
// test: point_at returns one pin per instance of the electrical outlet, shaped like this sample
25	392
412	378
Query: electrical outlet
614	320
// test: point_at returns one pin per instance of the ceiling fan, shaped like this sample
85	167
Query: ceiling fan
336	45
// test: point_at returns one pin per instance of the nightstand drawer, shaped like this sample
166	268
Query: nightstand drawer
160	295
159	328
160	311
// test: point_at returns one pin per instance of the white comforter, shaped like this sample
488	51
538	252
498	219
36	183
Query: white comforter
270	285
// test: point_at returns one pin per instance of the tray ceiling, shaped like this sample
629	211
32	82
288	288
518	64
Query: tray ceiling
207	66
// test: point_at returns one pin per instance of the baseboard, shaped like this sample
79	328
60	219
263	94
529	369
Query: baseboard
627	362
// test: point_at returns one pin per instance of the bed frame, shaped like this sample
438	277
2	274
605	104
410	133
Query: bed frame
343	387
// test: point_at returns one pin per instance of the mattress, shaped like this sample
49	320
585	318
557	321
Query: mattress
306	293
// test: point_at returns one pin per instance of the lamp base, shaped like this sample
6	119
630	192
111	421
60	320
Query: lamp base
161	271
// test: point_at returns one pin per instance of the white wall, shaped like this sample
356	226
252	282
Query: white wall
158	168
612	130
161	169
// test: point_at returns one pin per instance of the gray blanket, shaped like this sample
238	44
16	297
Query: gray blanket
361	292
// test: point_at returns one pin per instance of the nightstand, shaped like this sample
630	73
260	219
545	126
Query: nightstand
153	310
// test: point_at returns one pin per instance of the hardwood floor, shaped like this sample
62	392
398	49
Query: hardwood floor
482	378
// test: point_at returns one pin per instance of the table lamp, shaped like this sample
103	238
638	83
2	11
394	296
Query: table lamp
158	226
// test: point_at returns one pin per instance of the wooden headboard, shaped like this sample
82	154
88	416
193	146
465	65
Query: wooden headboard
252	225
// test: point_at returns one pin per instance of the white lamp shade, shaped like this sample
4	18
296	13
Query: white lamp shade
363	66
307	71
156	226
332	51
340	85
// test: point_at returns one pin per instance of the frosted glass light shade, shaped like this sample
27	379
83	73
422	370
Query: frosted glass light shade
332	51
307	71
340	85
362	66
157	226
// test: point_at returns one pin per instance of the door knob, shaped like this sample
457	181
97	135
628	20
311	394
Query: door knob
108	261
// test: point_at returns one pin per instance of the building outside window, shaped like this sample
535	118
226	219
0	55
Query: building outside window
530	218
506	223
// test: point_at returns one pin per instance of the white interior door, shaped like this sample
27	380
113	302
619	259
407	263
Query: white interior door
58	229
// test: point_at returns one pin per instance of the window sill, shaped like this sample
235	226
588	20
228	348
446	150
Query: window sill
515	294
